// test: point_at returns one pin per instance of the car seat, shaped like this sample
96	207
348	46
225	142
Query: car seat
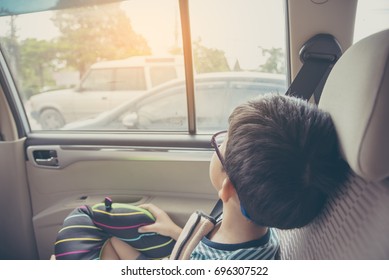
355	221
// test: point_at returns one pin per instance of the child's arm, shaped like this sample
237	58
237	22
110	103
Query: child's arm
163	224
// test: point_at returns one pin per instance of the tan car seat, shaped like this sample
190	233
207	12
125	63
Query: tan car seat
355	222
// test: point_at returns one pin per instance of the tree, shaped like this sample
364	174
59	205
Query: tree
11	46
208	60
37	58
275	62
237	66
96	33
30	61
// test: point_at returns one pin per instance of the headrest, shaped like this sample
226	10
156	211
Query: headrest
356	95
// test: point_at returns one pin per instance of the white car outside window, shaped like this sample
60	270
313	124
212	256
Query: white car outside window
106	85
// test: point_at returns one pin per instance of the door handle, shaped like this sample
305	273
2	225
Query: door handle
46	158
53	161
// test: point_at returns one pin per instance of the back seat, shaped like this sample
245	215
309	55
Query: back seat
355	221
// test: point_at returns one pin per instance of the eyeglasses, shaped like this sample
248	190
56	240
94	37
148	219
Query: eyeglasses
216	140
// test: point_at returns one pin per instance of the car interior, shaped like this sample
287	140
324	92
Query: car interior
45	174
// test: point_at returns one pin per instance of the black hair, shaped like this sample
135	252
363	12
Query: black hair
282	157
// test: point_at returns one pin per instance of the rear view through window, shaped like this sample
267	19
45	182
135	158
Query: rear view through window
121	66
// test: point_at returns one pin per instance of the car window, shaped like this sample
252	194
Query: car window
127	49
98	80
211	98
235	49
164	111
161	74
240	91
131	79
372	16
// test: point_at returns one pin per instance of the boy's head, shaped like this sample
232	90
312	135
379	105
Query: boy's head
282	158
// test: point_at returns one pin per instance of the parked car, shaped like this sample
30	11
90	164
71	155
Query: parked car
103	87
163	108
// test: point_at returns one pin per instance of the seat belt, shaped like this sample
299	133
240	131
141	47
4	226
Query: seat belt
319	54
217	210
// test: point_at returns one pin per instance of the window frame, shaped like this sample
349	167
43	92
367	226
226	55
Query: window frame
188	65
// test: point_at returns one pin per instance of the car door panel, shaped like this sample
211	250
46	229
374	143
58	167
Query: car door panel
86	174
17	236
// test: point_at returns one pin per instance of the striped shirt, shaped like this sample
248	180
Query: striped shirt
264	248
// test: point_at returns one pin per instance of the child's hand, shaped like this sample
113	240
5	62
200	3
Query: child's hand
163	224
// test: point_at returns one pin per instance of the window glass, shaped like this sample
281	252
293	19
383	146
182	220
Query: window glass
98	80
98	67
372	16
211	98
161	109
236	43
50	52
161	74
129	79
240	91
164	111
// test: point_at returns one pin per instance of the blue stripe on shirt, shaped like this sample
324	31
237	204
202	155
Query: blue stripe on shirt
264	248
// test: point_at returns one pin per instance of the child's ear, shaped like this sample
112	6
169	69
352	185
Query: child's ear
227	190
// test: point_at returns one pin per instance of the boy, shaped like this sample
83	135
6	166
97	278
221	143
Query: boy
275	169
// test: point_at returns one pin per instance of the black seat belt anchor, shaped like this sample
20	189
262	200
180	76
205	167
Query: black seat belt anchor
318	55
321	47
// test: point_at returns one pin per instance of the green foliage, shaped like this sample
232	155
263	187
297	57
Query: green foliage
275	62
208	60
237	66
37	57
92	34
31	63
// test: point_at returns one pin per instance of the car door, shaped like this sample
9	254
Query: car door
164	110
